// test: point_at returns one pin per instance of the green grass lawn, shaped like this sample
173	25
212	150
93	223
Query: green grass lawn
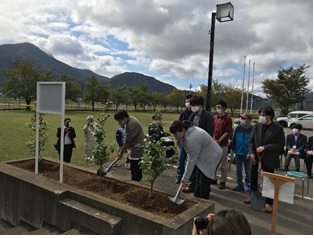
14	135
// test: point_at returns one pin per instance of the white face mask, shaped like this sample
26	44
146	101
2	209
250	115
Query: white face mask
295	131
219	111
195	108
242	122
262	119
187	104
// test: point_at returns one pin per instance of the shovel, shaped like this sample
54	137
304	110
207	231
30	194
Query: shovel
257	200
176	198
109	167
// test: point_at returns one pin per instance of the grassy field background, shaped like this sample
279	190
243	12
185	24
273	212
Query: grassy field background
14	135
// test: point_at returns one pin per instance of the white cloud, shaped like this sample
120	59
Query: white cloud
167	39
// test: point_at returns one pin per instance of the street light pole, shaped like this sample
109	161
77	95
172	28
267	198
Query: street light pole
224	13
211	59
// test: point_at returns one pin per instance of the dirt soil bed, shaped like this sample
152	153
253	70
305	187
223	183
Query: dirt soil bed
132	195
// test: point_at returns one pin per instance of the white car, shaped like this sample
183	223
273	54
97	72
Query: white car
283	121
305	121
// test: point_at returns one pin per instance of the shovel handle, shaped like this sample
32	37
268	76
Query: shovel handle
110	166
178	191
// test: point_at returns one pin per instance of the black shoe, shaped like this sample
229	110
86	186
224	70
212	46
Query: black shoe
214	181
297	170
222	185
286	168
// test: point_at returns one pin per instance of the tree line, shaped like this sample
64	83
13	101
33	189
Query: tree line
20	82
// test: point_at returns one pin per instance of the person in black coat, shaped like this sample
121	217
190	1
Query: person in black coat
69	143
266	142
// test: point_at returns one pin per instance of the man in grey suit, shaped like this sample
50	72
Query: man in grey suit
203	119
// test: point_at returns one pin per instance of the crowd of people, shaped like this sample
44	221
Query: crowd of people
204	143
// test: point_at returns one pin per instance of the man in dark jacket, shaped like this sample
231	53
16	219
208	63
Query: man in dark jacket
295	146
266	142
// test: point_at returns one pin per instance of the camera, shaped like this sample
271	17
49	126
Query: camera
201	223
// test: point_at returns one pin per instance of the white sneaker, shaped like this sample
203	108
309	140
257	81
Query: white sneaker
127	165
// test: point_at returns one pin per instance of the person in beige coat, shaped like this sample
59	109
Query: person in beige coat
203	153
90	141
134	136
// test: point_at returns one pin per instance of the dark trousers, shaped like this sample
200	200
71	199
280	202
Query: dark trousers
309	164
254	179
181	163
136	171
67	153
192	180
202	185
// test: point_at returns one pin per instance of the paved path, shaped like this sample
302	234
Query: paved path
293	219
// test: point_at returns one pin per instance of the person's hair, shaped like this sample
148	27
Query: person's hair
197	100
268	110
222	103
67	119
188	96
178	126
297	126
121	114
90	117
229	222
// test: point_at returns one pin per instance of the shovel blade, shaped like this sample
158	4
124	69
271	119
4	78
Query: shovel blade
177	200
257	200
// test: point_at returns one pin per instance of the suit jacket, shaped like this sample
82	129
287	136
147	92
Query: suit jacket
273	141
71	134
300	143
206	121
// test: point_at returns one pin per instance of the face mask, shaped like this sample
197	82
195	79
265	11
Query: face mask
262	119
187	104
242	122
122	123
194	108
219	111
295	131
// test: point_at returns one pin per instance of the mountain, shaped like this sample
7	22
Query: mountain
133	79
10	52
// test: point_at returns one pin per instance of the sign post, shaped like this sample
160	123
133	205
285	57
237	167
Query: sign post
50	100
279	182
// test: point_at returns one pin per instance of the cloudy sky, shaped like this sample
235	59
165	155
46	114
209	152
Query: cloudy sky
167	39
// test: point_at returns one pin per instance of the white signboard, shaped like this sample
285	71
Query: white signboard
50	97
51	100
286	191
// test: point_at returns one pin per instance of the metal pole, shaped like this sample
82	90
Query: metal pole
248	89
211	59
242	85
252	88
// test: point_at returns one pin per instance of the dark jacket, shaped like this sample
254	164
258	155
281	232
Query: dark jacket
71	134
206	121
300	143
185	115
273	141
